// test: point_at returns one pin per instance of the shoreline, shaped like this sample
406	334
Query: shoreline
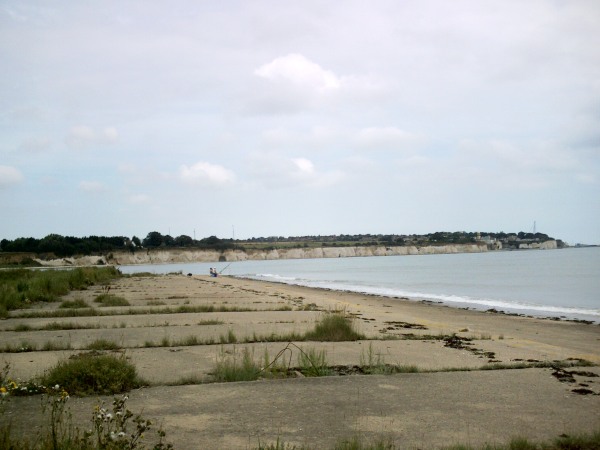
476	370
428	301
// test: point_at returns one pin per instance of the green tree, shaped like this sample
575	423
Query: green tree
184	241
154	239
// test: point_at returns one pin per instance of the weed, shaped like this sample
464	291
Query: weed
20	287
116	429
103	344
188	342
89	373
188	380
211	322
356	443
111	300
334	327
53	347
156	303
230	338
73	304
56	326
23	347
373	363
230	369
313	363
130	312
277	445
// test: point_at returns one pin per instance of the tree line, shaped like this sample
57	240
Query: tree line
64	246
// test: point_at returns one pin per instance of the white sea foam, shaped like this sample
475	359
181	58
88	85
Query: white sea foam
539	283
450	299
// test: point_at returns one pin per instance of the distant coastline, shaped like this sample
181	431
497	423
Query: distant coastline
186	255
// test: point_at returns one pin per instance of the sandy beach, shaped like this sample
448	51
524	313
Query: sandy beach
441	404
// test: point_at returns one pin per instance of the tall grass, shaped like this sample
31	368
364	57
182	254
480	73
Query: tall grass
335	327
233	369
313	363
111	300
19	287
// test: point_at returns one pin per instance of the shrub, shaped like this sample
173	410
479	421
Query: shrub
94	374
334	327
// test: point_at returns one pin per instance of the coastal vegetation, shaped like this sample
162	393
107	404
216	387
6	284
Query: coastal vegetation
93	374
20	288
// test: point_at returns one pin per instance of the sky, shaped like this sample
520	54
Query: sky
268	118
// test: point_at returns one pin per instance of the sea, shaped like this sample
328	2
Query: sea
563	283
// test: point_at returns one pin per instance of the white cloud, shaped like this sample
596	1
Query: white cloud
9	176
304	166
294	83
92	186
299	70
275	171
83	136
204	173
387	138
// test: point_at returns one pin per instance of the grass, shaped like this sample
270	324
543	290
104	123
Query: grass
90	373
50	346
20	288
56	326
92	312
229	338
103	344
73	304
335	327
229	369
313	363
372	362
589	441
111	300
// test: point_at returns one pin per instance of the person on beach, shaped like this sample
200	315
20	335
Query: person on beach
213	272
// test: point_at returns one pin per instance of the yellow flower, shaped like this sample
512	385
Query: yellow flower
3	390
